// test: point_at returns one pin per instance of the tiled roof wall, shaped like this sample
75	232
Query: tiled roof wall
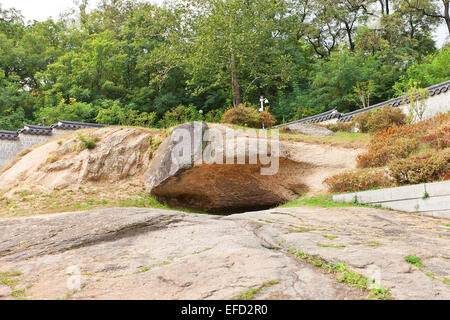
30	129
433	90
8	135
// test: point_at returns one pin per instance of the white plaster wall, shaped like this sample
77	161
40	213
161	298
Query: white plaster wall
435	105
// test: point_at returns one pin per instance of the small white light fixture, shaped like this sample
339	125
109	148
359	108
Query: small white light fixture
263	100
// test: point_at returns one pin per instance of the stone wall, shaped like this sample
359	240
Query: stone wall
30	140
8	150
428	199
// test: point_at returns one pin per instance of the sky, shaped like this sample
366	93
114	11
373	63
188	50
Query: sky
40	10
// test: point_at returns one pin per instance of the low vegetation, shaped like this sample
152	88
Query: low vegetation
339	127
320	201
417	262
345	275
87	142
400	155
379	119
364	179
251	293
87	197
248	116
12	279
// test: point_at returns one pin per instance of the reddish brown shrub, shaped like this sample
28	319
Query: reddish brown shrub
380	119
242	116
248	117
384	150
266	118
439	138
425	167
363	179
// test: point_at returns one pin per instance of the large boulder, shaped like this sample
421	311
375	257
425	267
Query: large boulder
307	129
243	181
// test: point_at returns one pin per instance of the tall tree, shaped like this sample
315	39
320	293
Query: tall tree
437	9
233	44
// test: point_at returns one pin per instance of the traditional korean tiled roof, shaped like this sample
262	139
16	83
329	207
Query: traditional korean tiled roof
71	125
331	114
432	91
8	135
35	130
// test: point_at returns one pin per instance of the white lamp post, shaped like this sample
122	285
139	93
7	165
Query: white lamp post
263	100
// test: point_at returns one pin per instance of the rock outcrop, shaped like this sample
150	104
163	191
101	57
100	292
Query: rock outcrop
307	129
239	182
119	154
131	253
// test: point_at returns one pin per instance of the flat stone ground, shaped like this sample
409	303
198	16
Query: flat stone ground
135	253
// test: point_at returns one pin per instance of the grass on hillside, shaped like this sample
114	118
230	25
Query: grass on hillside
322	201
87	197
340	138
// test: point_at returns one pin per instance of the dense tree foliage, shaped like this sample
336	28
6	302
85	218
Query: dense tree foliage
129	62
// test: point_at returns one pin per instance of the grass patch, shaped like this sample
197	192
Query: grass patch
414	260
300	229
341	138
324	245
87	197
345	275
373	244
10	278
250	293
18	293
323	202
329	237
87	142
152	266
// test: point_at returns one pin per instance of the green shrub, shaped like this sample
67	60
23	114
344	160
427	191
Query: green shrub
414	260
242	116
361	121
89	142
425	167
380	119
340	126
359	180
214	116
180	115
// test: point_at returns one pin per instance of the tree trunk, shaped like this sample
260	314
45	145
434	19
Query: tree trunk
382	6
235	83
447	15
349	34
